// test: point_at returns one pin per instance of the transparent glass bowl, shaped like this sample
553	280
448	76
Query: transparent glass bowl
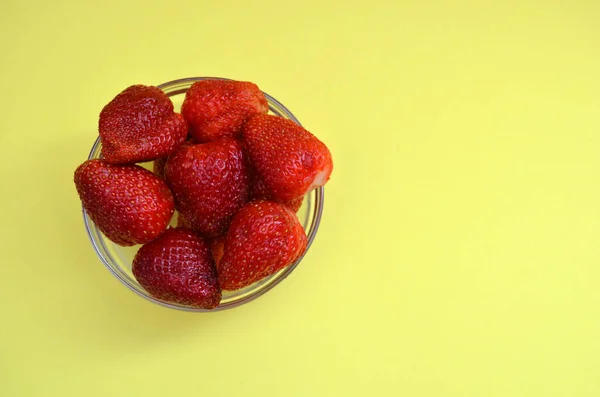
118	259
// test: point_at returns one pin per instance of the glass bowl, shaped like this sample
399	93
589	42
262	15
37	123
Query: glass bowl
118	259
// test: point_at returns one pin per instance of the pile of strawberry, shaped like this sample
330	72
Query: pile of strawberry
235	175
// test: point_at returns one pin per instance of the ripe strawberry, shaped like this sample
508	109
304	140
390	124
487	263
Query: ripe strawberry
294	204
129	204
215	244
218	108
289	159
264	237
210	182
260	192
139	125
158	165
178	267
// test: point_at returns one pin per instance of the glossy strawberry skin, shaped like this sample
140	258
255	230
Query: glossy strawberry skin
178	267
290	160
218	108
158	165
129	204
216	244
264	237
140	125
261	192
210	183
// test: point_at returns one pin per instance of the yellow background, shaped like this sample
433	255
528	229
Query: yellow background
458	254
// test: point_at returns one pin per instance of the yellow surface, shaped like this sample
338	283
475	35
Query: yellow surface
458	254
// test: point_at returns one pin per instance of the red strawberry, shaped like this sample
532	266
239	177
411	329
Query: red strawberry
259	189
264	237
260	192
139	125
217	247
216	244
294	204
210	182
218	108
129	204
178	267
289	159
158	165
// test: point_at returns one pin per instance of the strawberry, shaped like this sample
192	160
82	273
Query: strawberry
215	244
290	160
128	203
294	204
218	108
139	125
264	237
158	165
178	267
210	182
260	192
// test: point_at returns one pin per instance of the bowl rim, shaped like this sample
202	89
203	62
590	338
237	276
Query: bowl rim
319	201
